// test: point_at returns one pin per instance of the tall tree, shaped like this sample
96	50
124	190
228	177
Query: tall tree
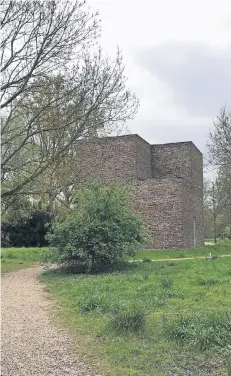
220	140
38	38
54	91
220	157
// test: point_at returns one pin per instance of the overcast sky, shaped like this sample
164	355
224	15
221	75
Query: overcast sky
178	62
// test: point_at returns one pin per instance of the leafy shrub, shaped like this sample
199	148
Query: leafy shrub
146	259
26	231
100	230
203	331
129	320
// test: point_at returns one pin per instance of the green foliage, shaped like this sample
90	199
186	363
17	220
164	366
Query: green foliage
202	331
27	230
100	230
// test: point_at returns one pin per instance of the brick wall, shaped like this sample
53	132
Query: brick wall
168	181
160	204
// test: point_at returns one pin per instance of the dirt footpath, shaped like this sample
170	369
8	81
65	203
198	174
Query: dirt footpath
31	344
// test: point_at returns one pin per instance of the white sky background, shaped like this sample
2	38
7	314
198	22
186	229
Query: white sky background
178	62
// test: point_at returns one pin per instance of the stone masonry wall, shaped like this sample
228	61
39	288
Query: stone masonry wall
168	182
108	159
160	204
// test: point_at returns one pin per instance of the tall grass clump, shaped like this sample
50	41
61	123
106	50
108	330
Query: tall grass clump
229	365
201	331
166	283
128	320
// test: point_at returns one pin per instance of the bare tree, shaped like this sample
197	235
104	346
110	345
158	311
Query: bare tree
54	91
38	38
220	140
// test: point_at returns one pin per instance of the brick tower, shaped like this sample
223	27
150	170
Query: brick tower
167	180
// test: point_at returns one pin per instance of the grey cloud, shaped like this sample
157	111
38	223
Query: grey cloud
158	131
199	76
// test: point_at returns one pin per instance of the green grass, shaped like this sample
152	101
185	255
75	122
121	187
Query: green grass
151	319
220	249
17	258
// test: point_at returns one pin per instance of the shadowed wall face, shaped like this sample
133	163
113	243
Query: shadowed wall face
168	181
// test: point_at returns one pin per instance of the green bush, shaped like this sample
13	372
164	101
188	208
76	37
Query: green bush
27	230
202	331
129	320
100	230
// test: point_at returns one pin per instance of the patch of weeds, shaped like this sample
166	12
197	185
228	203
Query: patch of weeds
171	264
201	331
10	255
198	295
146	276
166	283
158	301
129	320
93	303
207	281
146	259
171	295
215	257
180	254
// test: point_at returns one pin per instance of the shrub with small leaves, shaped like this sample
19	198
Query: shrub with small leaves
100	230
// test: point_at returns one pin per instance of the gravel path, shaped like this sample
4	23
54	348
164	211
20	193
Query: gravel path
31	344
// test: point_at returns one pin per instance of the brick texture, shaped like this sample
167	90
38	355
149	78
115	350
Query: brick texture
167	180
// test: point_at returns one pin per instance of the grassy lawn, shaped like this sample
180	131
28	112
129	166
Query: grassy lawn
167	318
220	249
17	258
